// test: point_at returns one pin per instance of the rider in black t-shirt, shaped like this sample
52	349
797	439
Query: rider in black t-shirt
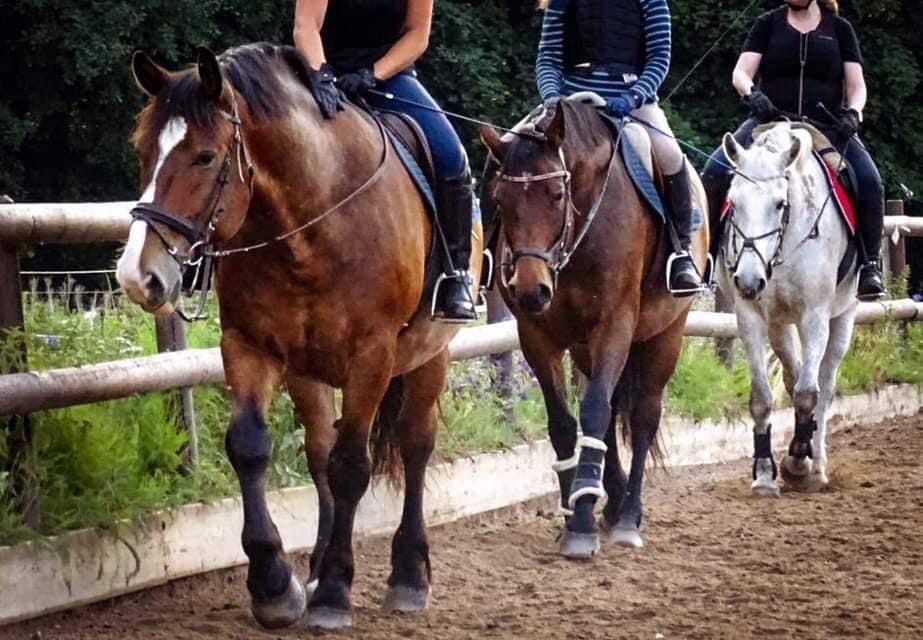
805	56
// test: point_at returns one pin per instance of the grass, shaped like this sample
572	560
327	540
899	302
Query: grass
104	463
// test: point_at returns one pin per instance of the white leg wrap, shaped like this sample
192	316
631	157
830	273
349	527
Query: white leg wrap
599	492
591	443
564	465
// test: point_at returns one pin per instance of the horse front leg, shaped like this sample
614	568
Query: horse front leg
314	407
649	368
409	584
753	333
608	348
545	358
349	472
841	329
277	598
814	331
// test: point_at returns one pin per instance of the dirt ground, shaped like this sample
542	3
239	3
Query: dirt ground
718	563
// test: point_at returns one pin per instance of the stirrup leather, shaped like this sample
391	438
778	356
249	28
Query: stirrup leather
465	278
676	255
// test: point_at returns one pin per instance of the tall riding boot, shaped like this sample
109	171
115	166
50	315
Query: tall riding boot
683	278
454	199
871	283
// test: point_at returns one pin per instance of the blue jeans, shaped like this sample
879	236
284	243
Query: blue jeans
449	157
870	205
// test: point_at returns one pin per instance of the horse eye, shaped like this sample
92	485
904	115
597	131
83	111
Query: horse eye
204	159
780	205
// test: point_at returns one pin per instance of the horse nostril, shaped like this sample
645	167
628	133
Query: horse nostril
154	287
512	289
544	292
737	282
761	284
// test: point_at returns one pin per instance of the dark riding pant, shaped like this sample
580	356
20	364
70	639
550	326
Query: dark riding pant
716	178
448	153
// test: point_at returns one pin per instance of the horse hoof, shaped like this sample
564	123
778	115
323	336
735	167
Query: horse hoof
310	587
578	546
329	618
625	537
283	610
765	488
406	599
795	469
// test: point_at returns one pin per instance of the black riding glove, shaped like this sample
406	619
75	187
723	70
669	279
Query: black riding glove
848	124
322	84
760	106
356	83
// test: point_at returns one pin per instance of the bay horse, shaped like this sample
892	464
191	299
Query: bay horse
582	267
321	241
782	250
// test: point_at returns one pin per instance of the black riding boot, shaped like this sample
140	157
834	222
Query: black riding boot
683	278
453	302
871	283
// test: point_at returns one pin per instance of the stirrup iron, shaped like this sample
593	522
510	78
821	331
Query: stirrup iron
465	278
702	287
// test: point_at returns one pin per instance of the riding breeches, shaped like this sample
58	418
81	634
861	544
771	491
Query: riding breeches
668	155
449	158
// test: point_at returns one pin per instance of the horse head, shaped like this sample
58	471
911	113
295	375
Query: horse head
197	175
760	200
554	159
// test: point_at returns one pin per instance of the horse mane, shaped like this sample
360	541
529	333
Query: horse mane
257	72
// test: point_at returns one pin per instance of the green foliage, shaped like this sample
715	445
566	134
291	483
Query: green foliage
701	387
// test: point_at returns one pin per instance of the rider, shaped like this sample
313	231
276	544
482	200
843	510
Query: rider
359	45
809	64
620	49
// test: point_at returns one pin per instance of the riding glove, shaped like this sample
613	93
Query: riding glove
760	106
848	124
622	105
356	83
322	85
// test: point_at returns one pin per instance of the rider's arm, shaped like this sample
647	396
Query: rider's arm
309	18
856	92
412	43
744	76
549	65
657	38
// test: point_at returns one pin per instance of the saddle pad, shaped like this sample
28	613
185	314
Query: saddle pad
637	170
415	172
841	196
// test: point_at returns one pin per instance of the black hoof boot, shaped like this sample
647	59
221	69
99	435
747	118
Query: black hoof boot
682	277
871	283
453	302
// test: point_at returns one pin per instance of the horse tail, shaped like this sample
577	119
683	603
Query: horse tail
626	392
383	439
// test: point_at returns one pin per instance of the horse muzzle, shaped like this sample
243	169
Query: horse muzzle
750	288
533	300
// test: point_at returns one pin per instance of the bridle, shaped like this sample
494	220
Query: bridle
559	254
748	243
202	251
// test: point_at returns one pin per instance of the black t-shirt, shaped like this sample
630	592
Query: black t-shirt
356	33
823	51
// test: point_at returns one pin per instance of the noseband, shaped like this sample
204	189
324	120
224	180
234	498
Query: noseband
748	243
558	255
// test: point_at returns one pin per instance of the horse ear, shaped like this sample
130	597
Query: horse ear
491	139
731	149
210	74
554	132
794	152
149	77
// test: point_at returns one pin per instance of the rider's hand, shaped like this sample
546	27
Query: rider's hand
356	83
322	85
848	124
760	106
621	106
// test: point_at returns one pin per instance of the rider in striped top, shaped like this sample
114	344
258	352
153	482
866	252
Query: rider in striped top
620	49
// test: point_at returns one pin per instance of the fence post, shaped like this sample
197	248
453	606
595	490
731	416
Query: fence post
17	429
897	253
171	336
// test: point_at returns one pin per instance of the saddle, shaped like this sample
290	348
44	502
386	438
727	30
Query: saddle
413	149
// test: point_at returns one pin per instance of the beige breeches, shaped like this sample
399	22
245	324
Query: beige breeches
666	150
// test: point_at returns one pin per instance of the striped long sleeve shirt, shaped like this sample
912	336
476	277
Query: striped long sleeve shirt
554	81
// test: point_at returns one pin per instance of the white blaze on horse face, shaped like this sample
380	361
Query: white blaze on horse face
128	272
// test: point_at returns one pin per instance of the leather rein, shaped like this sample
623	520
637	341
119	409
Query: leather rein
202	251
559	254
